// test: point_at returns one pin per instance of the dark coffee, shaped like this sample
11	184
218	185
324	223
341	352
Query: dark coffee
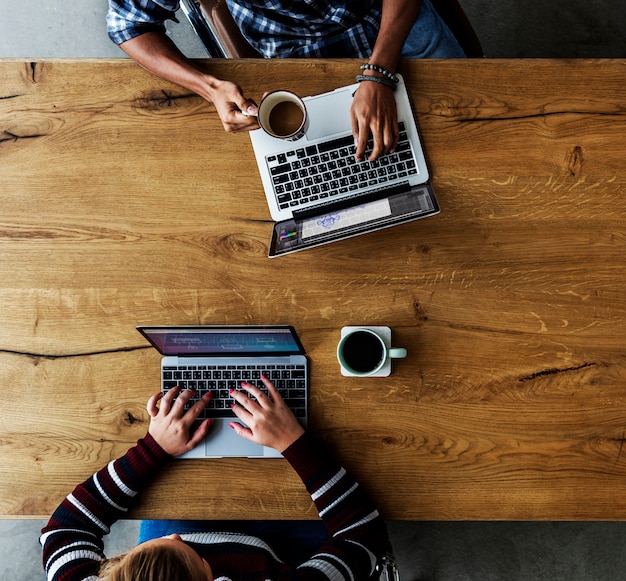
363	352
285	118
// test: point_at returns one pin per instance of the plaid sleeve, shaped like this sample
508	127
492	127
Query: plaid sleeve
127	19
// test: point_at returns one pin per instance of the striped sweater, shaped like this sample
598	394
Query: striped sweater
357	536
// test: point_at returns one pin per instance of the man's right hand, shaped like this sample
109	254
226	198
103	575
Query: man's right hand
236	111
156	53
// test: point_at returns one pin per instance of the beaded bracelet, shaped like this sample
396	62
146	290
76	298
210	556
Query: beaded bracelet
379	80
380	70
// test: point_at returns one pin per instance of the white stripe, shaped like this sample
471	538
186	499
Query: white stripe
341	498
372	556
326	487
87	513
328	569
106	496
65	548
338	560
44	537
72	557
216	538
370	517
118	481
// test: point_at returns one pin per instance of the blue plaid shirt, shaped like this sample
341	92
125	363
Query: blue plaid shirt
276	28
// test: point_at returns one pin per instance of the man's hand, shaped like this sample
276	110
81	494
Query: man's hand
237	112
156	52
374	114
170	424
270	422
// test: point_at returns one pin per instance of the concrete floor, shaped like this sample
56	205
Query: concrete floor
426	551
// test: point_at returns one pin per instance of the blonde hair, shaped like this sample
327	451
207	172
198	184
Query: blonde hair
157	563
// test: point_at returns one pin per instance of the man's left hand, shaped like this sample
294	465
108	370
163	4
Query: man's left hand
374	114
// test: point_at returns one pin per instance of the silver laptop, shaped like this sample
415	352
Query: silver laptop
317	193
218	359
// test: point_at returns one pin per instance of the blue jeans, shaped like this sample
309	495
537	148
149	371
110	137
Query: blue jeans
430	37
293	541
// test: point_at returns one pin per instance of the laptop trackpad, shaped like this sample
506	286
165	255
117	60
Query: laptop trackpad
222	441
325	119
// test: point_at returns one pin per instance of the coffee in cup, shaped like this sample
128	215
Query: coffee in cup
282	114
363	352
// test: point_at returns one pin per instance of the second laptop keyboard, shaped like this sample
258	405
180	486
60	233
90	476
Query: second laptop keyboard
319	172
289	380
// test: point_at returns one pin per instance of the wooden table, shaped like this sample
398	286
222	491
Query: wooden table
124	203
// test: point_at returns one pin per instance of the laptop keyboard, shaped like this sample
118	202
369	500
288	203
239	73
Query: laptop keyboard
319	172
289	380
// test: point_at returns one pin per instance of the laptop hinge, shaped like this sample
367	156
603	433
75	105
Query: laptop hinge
351	201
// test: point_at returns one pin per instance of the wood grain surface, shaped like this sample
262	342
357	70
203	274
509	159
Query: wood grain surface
123	202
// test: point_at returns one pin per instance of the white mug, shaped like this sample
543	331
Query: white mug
282	114
363	352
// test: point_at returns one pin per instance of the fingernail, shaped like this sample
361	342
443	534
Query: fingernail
243	384
263	376
231	426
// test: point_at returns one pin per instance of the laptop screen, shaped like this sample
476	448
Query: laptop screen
223	341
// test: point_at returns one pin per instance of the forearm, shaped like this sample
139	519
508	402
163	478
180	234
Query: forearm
73	536
398	17
156	53
345	508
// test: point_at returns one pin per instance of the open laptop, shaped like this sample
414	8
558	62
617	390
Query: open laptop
219	358
317	193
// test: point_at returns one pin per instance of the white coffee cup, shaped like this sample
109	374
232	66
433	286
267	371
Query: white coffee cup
282	114
364	352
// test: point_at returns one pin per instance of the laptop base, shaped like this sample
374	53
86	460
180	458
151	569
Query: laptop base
411	203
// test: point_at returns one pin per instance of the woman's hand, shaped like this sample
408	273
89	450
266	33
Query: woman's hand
170	423
270	422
